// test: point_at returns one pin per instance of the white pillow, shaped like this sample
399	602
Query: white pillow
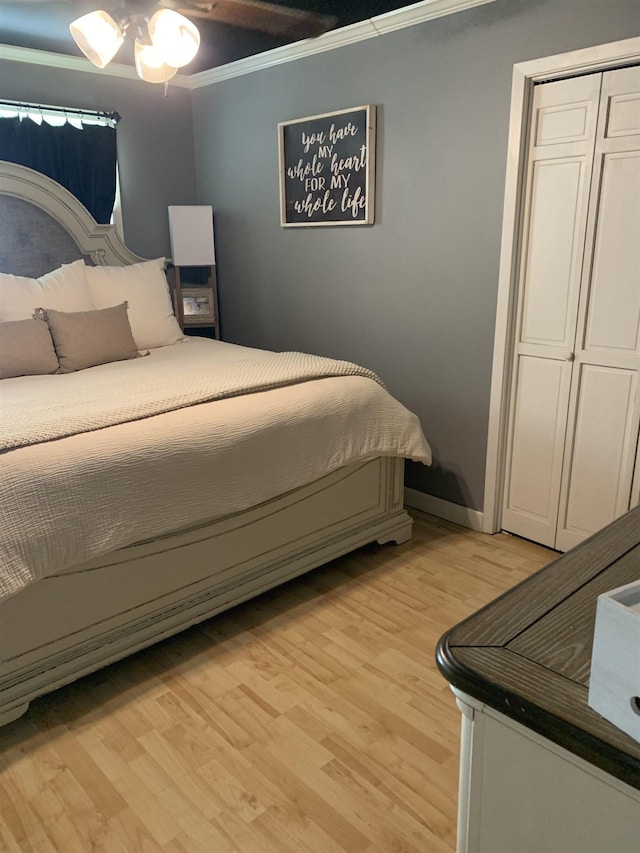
145	288
64	289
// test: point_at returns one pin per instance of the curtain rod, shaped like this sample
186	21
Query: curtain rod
112	116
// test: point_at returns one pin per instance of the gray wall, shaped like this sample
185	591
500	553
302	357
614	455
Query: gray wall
413	296
155	140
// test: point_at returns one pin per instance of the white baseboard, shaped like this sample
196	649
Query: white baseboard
461	515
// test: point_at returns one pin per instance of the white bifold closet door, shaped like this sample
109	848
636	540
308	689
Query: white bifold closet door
575	408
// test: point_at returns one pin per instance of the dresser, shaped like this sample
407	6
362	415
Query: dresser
540	771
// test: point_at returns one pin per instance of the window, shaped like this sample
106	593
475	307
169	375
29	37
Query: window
75	148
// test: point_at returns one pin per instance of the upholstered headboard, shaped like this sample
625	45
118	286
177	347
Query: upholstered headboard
42	225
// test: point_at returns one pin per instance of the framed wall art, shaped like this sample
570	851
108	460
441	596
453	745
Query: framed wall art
327	168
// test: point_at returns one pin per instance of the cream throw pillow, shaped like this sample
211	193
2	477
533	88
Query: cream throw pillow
64	289
145	288
26	349
88	338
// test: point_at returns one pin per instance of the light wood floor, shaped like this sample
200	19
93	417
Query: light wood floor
311	720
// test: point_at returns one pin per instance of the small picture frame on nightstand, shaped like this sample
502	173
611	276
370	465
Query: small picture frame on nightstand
197	306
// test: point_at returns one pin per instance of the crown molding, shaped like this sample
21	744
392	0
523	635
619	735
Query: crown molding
77	63
408	16
288	53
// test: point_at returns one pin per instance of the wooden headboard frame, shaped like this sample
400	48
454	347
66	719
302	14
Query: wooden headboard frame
99	244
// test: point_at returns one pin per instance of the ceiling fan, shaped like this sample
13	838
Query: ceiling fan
165	36
166	39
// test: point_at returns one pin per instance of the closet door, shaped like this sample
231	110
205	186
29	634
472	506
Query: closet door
604	404
561	146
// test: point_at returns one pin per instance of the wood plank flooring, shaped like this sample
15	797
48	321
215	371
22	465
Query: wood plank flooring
310	720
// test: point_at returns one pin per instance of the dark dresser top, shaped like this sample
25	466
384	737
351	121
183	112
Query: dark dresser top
528	653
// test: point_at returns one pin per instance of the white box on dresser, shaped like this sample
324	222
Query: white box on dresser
614	683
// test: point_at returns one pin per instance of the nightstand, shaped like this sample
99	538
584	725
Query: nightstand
196	299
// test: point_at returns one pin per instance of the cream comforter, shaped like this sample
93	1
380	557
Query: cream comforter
65	500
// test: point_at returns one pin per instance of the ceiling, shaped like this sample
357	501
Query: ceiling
44	25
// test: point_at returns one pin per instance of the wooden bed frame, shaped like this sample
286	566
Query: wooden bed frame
65	626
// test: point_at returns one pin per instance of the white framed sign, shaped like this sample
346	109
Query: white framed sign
327	168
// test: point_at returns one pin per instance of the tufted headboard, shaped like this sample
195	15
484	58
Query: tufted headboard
42	225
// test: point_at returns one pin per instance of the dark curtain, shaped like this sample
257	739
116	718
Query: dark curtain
83	161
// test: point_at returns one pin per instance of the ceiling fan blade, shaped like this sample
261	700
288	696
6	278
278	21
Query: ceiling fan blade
253	15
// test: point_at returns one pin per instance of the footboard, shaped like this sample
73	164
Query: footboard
70	624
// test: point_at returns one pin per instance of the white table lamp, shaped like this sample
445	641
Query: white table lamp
191	230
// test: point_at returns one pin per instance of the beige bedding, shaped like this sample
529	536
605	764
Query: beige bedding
90	401
67	500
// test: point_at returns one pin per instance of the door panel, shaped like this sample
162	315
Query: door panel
555	253
599	464
531	499
565	111
563	122
613	312
622	102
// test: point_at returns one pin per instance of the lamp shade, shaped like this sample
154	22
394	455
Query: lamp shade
191	229
150	65
175	37
98	36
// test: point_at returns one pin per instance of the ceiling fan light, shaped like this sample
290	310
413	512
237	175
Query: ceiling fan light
150	65
174	36
98	36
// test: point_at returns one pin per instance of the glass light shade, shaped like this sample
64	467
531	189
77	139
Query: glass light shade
98	36
174	36
150	65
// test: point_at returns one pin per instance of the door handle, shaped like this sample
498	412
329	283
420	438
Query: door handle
569	356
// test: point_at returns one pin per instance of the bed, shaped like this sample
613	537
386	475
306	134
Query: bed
141	495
